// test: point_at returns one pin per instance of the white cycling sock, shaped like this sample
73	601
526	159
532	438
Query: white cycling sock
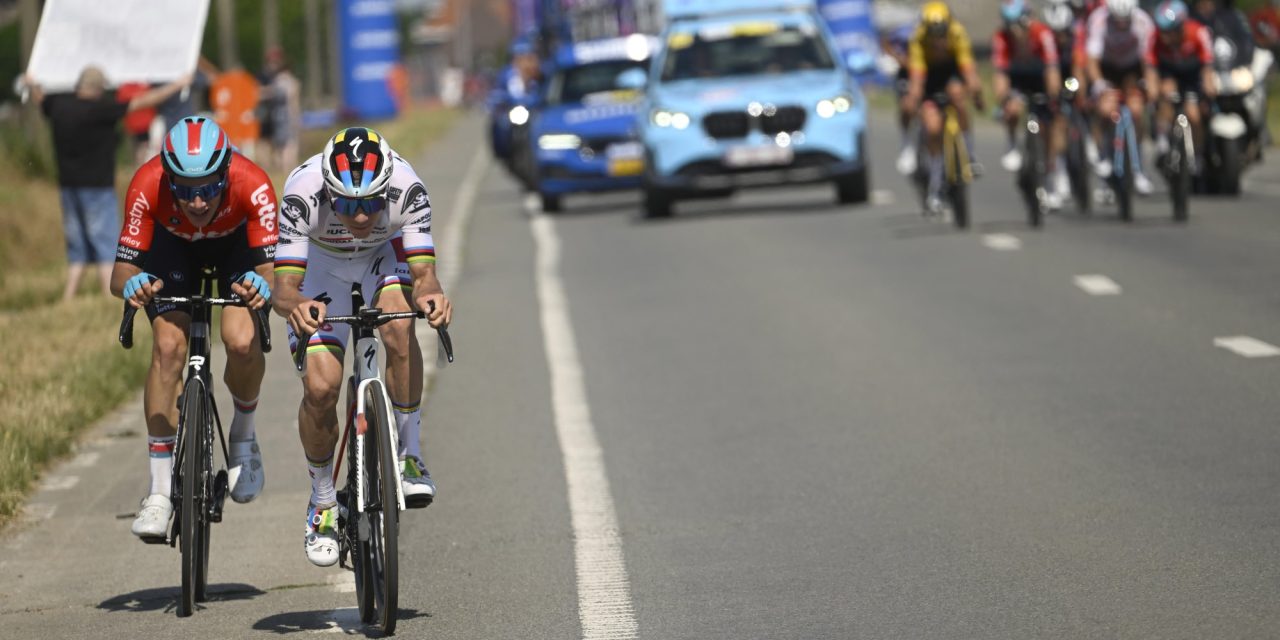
242	428
161	454
409	425
322	491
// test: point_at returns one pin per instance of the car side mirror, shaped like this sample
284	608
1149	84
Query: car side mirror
634	79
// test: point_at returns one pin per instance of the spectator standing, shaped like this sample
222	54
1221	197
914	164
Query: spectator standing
85	136
280	109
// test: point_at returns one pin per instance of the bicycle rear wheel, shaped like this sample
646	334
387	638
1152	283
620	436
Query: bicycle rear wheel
193	523
382	507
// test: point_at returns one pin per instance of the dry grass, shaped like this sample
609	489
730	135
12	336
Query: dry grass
61	367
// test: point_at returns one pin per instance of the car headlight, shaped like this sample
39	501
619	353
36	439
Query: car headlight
830	107
665	118
559	141
518	115
1242	79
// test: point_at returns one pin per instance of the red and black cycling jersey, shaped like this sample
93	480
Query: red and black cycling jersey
1030	54
1190	53
249	200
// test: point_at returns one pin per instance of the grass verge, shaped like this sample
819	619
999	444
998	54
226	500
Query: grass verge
62	368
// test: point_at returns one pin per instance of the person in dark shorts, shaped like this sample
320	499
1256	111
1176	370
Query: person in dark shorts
84	127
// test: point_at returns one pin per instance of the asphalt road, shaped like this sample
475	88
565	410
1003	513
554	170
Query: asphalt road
786	419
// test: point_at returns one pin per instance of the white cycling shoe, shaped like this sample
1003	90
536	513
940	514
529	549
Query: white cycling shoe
153	517
321	542
1011	160
907	160
245	475
419	488
1142	184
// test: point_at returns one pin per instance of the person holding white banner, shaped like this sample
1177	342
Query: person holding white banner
85	137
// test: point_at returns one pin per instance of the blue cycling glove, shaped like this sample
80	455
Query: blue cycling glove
252	279
132	285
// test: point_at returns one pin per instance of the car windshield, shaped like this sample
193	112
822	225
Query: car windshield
745	49
576	83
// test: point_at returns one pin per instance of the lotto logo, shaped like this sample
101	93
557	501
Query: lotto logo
266	208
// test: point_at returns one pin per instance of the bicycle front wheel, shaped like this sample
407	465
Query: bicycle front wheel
1179	172
193	523
382	506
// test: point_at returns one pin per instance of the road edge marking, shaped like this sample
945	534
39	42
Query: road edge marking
1247	346
605	608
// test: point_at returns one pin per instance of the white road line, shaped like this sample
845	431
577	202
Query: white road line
883	197
1247	347
85	460
604	592
1001	242
1097	285
59	483
39	512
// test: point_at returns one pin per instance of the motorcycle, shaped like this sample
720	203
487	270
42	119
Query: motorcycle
1236	128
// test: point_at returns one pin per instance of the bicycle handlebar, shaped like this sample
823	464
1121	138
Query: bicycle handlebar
259	317
371	318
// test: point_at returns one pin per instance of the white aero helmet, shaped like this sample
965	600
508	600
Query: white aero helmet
1058	15
356	164
1121	8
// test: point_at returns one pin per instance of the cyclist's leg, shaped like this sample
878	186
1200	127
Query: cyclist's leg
1015	108
1136	98
242	375
404	370
931	121
958	94
1164	111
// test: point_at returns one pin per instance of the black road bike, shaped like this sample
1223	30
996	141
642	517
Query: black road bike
1035	165
372	499
199	481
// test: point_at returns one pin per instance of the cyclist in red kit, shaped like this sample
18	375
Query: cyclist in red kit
198	204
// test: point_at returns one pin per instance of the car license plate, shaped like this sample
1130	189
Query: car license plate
758	156
625	158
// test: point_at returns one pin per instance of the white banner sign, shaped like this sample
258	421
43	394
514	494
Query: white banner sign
131	40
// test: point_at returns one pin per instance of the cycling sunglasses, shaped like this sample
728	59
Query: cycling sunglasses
344	206
205	192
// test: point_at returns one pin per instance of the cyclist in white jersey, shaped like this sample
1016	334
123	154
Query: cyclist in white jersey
1117	37
356	213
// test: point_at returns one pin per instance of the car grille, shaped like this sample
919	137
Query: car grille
784	120
726	124
737	124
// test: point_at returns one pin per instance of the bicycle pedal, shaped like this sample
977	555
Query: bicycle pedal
219	496
154	539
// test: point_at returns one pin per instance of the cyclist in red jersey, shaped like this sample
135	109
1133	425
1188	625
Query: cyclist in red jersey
1182	54
1025	56
197	204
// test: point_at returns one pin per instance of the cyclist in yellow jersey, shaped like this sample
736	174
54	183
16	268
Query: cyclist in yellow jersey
940	59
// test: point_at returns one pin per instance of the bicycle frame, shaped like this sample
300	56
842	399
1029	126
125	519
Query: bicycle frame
366	371
953	146
1125	135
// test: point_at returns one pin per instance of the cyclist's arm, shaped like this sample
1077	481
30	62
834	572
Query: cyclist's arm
917	68
294	221
137	231
1000	61
964	60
